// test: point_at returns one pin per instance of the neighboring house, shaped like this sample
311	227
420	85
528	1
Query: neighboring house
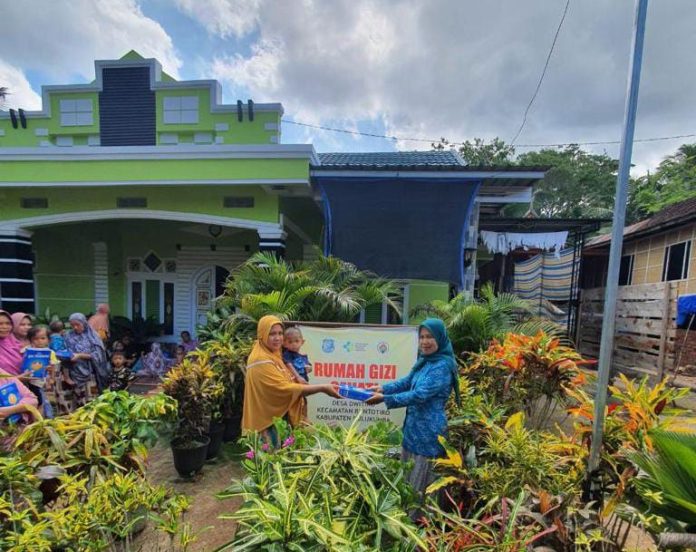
657	249
658	266
146	192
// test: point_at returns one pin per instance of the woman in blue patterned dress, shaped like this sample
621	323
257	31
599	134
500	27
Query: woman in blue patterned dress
424	393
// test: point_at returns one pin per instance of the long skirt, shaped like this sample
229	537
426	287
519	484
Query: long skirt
422	475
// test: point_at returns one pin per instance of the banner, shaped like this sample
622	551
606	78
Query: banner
360	357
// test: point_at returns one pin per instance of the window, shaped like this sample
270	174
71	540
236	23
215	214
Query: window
180	110
676	263
76	112
239	202
131	202
626	270
34	203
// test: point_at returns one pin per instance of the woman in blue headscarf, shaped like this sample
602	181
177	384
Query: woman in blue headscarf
424	393
89	359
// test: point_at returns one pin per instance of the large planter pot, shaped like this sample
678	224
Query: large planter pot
188	461
233	428
216	433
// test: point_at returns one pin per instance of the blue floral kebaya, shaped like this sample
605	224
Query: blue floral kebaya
424	393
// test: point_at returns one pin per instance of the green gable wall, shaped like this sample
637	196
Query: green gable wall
244	132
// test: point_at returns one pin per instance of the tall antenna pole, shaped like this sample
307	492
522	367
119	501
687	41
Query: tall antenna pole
607	342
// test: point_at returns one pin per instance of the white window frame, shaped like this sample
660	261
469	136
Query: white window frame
685	261
168	278
180	110
78	112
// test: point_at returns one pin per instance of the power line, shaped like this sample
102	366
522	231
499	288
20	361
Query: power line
543	74
433	140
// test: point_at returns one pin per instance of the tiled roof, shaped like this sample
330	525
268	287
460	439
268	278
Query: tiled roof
424	160
673	215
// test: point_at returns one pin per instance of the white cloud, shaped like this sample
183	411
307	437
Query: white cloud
223	17
20	93
468	69
62	39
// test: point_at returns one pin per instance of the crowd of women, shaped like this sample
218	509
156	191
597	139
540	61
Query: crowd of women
83	360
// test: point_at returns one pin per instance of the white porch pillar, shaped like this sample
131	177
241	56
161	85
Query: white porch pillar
101	273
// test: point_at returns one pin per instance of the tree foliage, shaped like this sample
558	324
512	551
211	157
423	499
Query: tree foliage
673	181
578	184
478	152
582	184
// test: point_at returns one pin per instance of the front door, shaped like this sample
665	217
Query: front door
208	283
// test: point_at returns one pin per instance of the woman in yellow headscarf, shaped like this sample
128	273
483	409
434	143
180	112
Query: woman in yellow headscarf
270	390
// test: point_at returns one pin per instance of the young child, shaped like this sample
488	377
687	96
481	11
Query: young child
121	375
56	339
296	362
180	355
38	339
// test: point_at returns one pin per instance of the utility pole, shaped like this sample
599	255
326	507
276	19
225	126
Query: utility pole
607	342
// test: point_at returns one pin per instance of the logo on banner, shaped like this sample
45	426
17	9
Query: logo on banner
383	347
328	345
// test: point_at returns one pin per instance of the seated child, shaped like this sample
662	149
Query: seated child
121	375
38	339
180	355
296	362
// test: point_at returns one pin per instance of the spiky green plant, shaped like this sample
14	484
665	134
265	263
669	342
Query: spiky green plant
326	289
666	483
327	488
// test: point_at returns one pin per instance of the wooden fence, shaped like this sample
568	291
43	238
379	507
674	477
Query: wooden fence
645	327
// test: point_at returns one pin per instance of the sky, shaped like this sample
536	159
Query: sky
420	69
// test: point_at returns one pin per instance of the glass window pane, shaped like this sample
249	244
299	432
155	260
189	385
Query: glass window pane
68	119
83	118
136	300
189	116
172	103
83	105
67	106
172	117
152	299
189	102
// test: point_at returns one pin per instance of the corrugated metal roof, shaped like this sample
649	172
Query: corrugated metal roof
673	215
391	159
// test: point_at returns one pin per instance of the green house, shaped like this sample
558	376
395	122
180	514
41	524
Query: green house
145	193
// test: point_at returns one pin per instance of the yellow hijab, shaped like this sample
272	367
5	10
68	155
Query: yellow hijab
269	389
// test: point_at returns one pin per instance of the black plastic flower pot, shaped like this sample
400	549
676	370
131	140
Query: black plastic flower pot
216	433
189	460
233	428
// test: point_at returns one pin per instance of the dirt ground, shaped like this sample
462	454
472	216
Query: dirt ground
205	507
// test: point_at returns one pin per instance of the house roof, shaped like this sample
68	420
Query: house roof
671	216
391	160
434	160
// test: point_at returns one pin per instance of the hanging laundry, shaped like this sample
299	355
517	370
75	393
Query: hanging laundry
504	242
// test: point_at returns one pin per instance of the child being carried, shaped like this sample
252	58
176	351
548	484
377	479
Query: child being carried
296	362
